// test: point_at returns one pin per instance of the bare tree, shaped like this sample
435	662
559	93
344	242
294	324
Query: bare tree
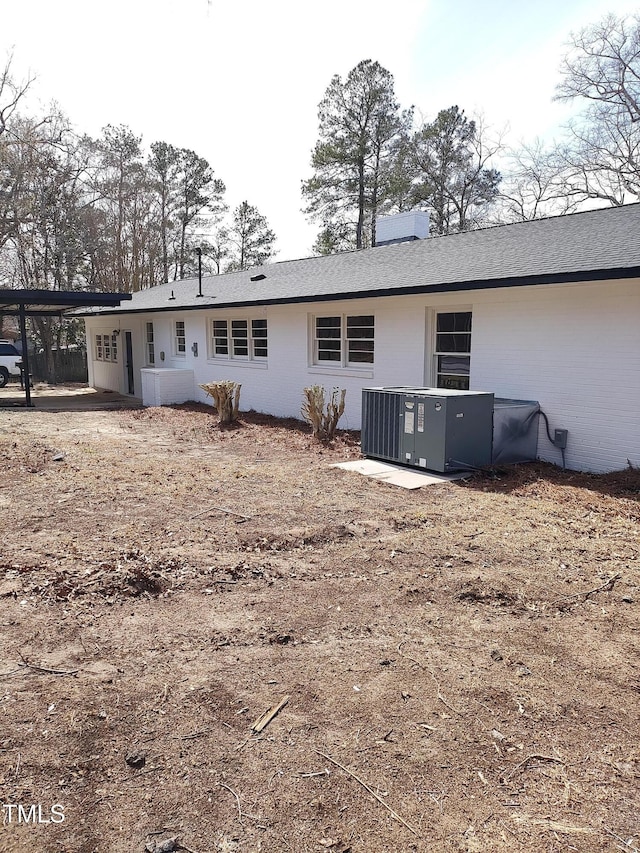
602	152
603	65
217	249
11	93
602	160
163	163
534	184
48	198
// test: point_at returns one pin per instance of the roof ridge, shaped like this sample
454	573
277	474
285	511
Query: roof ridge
453	234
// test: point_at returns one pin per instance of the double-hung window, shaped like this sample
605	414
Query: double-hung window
239	339
179	339
149	344
259	338
245	340
220	340
344	340
453	349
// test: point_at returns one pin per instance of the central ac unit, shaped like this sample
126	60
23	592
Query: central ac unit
445	430
434	428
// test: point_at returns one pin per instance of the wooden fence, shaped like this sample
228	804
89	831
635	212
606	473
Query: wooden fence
69	366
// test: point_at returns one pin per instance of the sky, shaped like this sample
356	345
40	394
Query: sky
239	81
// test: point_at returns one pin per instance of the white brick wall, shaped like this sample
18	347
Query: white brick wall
574	348
399	226
575	352
165	385
104	374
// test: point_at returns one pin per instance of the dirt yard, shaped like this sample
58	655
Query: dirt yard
457	666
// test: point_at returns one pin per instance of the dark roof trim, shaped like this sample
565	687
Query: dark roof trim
450	287
52	303
34	312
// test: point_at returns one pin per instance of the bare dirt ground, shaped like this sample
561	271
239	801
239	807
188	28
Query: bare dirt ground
460	661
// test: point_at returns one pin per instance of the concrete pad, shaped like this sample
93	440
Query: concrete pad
398	475
77	397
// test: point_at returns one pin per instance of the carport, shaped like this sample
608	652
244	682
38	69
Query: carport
48	303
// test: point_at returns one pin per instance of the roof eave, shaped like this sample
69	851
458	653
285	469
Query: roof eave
444	287
53	303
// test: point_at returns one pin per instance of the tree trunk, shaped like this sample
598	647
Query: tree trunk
360	225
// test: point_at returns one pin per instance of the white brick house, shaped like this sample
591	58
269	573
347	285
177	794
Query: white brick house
546	310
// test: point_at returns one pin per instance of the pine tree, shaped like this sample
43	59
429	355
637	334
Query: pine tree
359	119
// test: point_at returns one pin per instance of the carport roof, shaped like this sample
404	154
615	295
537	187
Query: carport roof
53	303
48	303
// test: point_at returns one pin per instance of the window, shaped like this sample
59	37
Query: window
241	339
360	340
180	340
344	341
220	338
106	348
259	338
453	350
151	355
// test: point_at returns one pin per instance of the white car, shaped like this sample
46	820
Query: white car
10	358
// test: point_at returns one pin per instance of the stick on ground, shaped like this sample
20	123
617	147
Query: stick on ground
216	508
435	680
586	593
241	814
372	792
38	668
535	756
263	721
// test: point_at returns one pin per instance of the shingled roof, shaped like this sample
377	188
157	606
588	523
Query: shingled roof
589	246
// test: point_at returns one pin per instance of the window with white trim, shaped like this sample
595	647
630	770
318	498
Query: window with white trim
259	346
179	338
344	340
149	344
453	350
240	339
106	348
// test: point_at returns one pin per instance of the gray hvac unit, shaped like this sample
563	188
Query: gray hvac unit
444	430
433	428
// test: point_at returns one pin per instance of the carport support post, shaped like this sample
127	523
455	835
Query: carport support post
25	356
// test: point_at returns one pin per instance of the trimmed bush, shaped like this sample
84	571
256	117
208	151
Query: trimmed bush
323	421
226	398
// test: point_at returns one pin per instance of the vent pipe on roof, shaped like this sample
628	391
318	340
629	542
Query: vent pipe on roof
402	227
199	251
